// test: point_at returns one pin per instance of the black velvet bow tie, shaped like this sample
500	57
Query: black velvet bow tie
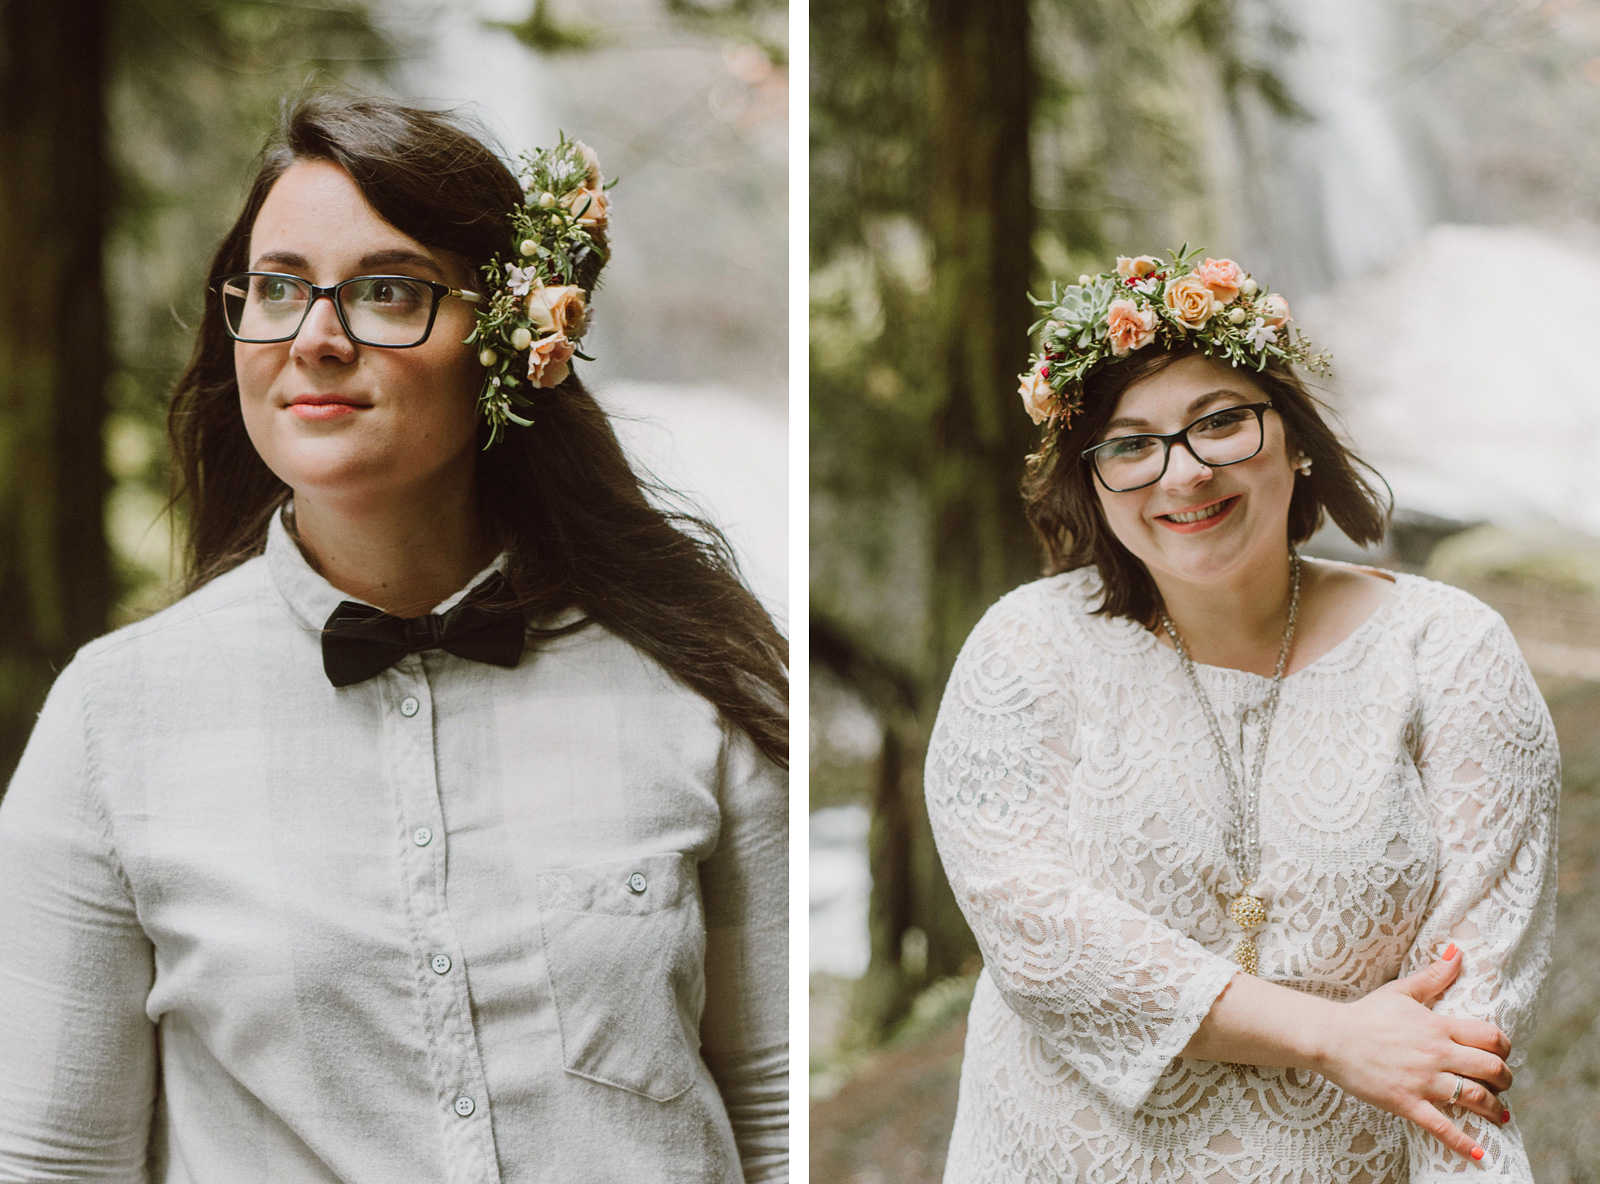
360	641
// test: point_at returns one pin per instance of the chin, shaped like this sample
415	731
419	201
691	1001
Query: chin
1199	560
328	465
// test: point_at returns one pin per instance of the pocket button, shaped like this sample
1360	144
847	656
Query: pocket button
465	1106
441	964
637	883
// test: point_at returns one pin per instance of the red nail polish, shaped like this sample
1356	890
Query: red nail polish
1477	1153
1450	951
1505	1116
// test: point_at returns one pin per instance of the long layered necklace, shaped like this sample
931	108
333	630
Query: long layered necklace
1243	840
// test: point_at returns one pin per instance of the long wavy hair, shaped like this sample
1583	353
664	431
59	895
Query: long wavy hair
583	529
1061	502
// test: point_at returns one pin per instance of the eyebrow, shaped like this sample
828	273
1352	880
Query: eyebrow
377	259
1127	421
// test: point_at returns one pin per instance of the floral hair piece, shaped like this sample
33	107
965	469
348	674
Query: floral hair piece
1213	305
536	305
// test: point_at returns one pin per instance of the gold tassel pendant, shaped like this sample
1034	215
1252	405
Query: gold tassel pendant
1249	913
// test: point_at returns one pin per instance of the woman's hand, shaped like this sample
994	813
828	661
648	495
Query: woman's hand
1391	1050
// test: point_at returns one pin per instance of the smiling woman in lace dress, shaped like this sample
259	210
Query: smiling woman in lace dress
1260	851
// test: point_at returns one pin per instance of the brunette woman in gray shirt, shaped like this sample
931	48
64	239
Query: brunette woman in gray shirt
438	832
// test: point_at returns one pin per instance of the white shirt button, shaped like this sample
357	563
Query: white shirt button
637	883
422	836
440	963
409	706
465	1106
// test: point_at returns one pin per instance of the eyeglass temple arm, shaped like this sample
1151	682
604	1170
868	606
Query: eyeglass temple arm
474	297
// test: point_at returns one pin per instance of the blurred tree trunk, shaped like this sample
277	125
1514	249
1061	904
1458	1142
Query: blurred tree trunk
55	573
980	221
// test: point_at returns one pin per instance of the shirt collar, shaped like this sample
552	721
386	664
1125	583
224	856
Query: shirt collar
310	599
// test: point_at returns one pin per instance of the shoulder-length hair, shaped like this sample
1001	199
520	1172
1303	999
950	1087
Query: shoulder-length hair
1064	507
579	522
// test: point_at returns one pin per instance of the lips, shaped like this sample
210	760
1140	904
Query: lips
323	407
1198	518
325	400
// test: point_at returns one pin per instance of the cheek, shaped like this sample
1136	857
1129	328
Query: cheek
1123	514
255	367
459	380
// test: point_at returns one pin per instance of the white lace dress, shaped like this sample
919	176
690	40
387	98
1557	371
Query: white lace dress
1408	800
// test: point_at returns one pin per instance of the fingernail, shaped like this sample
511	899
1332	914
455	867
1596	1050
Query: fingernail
1505	1116
1477	1153
1450	951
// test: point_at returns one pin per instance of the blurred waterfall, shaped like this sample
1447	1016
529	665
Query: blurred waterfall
1461	360
1340	195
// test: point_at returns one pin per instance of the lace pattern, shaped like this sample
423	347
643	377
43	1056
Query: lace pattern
1408	800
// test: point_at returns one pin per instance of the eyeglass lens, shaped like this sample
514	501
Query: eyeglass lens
1222	438
378	310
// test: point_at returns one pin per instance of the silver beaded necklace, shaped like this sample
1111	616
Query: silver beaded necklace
1243	840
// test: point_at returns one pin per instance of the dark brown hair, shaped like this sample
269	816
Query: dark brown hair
579	522
1064	508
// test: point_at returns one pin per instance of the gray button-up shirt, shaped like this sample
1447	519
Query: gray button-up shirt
454	923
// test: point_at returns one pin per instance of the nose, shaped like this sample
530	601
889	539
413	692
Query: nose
1184	469
321	336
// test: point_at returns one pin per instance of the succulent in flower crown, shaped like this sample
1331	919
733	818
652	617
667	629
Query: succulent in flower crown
536	293
1213	305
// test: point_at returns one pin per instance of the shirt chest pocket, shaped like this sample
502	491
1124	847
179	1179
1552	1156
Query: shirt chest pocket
625	945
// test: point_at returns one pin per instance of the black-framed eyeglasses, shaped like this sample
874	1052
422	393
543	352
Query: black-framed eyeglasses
388	311
1223	437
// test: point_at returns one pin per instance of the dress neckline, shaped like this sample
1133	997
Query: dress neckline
1374	620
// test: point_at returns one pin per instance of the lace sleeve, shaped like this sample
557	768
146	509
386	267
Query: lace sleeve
1491	774
1114	992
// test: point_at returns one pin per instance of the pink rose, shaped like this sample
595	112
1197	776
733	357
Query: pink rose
1223	277
1129	327
1136	268
1036	393
1191	301
1275	310
547	360
595	208
561	308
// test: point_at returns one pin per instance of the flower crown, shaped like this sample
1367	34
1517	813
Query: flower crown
536	298
1213	305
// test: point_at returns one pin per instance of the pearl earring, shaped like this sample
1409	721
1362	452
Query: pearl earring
1303	463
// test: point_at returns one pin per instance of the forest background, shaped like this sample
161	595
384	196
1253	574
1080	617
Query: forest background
128	134
1417	176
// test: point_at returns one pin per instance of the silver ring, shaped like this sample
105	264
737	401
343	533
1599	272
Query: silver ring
1455	1097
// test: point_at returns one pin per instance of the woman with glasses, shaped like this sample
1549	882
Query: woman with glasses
438	832
1259	849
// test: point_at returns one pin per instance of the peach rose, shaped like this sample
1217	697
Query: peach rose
1130	327
561	308
1275	310
1191	301
547	360
1223	277
1036	394
591	160
1136	268
595	205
